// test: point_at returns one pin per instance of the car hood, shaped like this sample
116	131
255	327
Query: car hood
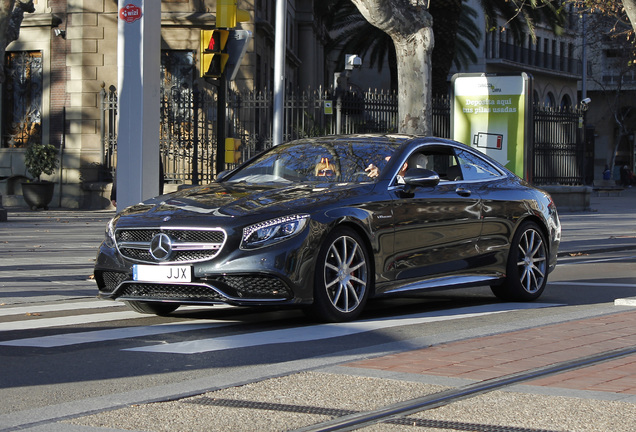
228	200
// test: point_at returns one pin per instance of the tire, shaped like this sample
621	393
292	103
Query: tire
343	277
527	267
155	308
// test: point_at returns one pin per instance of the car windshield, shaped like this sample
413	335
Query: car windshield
317	161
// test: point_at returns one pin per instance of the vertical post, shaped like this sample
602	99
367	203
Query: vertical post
279	70
195	121
221	101
138	61
338	113
102	125
584	59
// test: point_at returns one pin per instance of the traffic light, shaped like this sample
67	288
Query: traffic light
236	47
213	59
227	14
233	151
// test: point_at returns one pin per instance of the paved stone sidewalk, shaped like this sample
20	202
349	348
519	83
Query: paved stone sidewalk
514	352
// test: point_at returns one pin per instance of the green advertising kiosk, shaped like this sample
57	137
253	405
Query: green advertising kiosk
493	113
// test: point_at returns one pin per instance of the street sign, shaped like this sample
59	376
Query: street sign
130	13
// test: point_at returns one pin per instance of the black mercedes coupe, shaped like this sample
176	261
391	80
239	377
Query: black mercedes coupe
326	223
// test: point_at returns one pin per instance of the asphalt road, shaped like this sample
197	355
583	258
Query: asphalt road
65	354
91	355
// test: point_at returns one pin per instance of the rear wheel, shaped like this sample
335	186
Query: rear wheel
527	268
343	277
155	308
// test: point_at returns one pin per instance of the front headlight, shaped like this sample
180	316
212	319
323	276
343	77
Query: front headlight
109	235
272	231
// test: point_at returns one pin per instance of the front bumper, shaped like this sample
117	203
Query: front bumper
280	274
238	290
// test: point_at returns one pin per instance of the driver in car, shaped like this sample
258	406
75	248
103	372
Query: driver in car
324	169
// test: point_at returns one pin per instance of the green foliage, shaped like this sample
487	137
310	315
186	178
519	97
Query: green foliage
40	159
522	15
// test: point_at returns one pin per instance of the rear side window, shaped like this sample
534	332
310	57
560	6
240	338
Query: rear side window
474	167
440	159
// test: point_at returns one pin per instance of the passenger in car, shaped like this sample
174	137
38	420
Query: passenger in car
417	160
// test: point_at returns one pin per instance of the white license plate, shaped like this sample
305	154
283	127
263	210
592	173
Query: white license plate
158	273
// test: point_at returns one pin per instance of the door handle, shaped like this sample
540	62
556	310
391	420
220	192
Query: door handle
463	192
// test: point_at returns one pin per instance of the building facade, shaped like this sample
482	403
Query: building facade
610	84
62	71
552	60
65	61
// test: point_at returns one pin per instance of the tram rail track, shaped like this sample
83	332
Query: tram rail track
396	413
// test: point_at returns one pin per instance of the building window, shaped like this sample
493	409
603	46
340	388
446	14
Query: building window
549	100
22	99
177	69
566	102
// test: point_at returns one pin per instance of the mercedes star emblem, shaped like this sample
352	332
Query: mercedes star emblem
161	246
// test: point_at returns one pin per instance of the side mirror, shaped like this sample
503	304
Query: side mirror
420	177
220	176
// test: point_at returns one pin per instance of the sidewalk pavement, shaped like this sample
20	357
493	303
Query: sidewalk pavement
598	397
610	224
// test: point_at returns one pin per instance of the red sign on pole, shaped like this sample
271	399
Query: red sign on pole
130	13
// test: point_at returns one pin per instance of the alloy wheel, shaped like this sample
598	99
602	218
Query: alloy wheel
532	261
345	274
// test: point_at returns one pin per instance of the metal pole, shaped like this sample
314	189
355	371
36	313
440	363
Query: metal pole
102	126
220	124
62	144
338	113
584	60
279	71
195	144
138	78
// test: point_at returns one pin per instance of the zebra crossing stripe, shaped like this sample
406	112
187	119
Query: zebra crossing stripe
326	331
57	307
290	335
114	334
39	323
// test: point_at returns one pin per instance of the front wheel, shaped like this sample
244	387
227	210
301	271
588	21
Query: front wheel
155	308
527	268
343	277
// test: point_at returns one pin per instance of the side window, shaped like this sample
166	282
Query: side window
442	160
475	168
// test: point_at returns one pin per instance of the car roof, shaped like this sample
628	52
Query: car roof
395	138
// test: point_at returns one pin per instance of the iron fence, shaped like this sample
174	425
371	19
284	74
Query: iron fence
558	150
189	116
108	130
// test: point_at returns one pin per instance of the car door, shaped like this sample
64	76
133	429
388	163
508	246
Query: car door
501	207
436	228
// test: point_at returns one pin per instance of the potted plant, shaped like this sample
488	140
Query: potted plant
39	159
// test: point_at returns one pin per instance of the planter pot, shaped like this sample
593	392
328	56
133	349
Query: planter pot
38	194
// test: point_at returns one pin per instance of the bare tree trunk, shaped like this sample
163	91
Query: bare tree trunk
10	22
630	10
11	16
617	144
410	26
6	7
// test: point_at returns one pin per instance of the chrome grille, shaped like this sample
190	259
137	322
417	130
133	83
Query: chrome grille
107	281
135	235
188	245
257	286
184	235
